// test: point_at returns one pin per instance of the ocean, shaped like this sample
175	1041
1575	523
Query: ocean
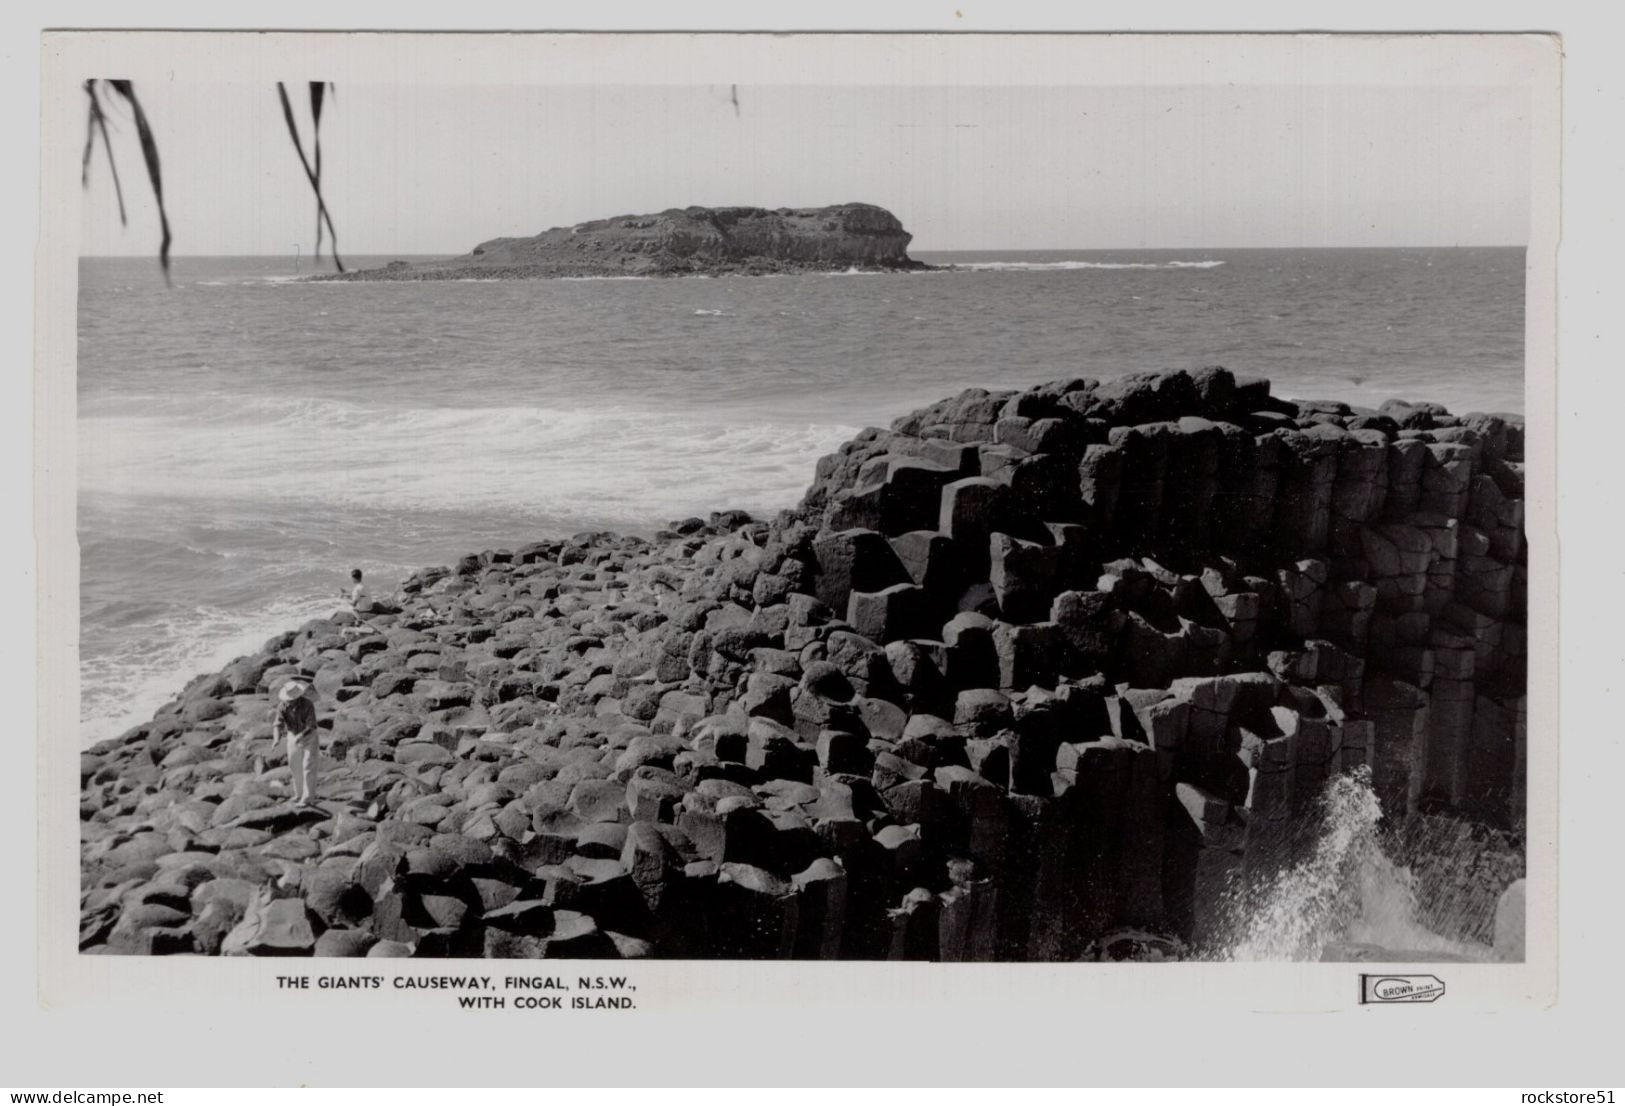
246	439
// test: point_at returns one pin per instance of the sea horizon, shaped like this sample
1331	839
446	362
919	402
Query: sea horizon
913	249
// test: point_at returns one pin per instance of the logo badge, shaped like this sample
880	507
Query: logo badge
1399	988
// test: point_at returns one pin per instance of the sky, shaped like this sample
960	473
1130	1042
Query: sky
414	169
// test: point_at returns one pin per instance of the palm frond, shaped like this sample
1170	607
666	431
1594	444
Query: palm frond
98	122
317	88
149	152
322	214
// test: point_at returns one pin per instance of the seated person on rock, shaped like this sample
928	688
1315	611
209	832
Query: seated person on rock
357	593
360	602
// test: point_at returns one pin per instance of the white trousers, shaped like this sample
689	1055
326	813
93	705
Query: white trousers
304	751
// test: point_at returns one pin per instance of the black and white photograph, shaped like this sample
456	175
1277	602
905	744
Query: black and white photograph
823	548
813	518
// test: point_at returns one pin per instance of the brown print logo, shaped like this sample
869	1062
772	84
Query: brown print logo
1399	988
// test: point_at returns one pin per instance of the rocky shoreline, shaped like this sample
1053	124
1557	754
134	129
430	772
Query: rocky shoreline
1022	673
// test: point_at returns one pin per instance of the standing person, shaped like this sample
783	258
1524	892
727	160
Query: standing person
295	718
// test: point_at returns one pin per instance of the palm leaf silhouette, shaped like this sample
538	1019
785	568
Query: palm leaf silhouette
317	90
96	124
312	174
149	152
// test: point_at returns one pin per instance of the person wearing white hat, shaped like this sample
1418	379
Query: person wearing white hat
294	717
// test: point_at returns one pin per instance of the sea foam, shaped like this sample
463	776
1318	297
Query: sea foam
609	465
1066	266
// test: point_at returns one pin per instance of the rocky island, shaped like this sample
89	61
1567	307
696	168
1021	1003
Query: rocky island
1024	672
692	241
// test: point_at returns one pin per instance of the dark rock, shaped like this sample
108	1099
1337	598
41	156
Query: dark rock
344	942
854	560
280	927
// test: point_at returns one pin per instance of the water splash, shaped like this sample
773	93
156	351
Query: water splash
1337	891
1294	913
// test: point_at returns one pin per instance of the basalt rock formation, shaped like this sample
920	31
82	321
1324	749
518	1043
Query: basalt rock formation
686	241
1023	672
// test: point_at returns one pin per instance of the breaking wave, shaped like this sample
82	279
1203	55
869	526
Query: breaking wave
1340	893
611	465
125	683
